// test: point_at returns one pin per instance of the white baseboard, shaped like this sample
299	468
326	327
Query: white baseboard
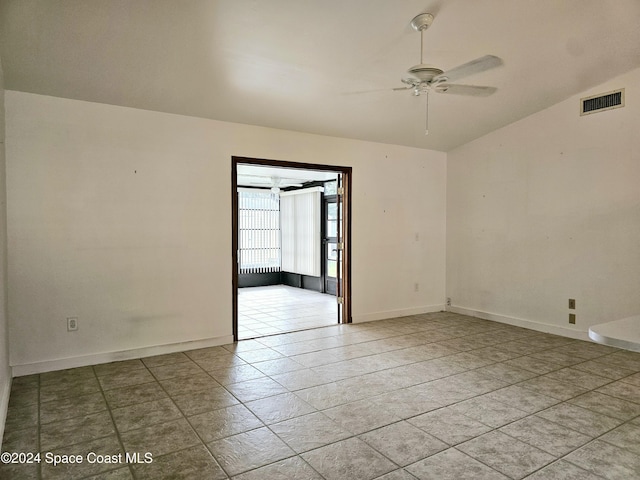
95	359
5	391
405	312
520	322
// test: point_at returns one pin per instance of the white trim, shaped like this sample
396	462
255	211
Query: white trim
405	312
98	358
520	322
4	404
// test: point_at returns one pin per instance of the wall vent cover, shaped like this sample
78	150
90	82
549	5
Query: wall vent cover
599	103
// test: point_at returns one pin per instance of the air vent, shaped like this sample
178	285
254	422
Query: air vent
598	103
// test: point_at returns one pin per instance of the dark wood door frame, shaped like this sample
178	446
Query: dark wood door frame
346	227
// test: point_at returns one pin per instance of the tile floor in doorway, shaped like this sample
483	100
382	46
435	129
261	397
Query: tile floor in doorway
280	308
433	396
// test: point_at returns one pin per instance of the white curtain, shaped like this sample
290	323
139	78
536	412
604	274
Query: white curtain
300	231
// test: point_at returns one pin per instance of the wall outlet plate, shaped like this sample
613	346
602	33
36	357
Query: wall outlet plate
572	303
72	324
572	318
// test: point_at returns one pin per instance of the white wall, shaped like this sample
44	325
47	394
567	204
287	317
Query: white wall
122	218
548	209
5	371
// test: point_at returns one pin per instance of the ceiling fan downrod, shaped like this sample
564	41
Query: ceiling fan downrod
420	23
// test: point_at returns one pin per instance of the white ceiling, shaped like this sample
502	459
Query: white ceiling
299	64
264	176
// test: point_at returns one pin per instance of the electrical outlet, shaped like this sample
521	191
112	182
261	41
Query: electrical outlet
416	287
572	318
72	324
448	301
572	303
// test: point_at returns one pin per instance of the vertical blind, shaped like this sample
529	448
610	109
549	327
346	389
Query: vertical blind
259	231
300	223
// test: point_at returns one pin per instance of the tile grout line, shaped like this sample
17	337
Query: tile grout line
113	422
39	446
185	417
475	369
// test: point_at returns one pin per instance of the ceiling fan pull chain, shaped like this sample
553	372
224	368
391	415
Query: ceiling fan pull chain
426	115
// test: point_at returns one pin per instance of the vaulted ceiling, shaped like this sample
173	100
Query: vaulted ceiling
318	66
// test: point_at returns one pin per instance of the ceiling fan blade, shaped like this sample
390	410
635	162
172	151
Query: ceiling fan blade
470	68
360	92
473	90
411	83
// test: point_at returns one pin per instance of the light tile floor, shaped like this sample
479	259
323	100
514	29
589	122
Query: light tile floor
279	308
434	396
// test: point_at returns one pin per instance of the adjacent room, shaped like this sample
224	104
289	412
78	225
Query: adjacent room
325	240
288	249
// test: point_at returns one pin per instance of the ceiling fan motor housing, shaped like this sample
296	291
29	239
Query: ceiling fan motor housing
424	72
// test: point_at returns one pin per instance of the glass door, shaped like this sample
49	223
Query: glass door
330	242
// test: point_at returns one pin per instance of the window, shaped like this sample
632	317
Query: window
259	231
330	188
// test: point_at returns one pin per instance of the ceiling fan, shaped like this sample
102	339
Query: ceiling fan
424	78
275	183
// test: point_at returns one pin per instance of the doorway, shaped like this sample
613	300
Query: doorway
329	187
